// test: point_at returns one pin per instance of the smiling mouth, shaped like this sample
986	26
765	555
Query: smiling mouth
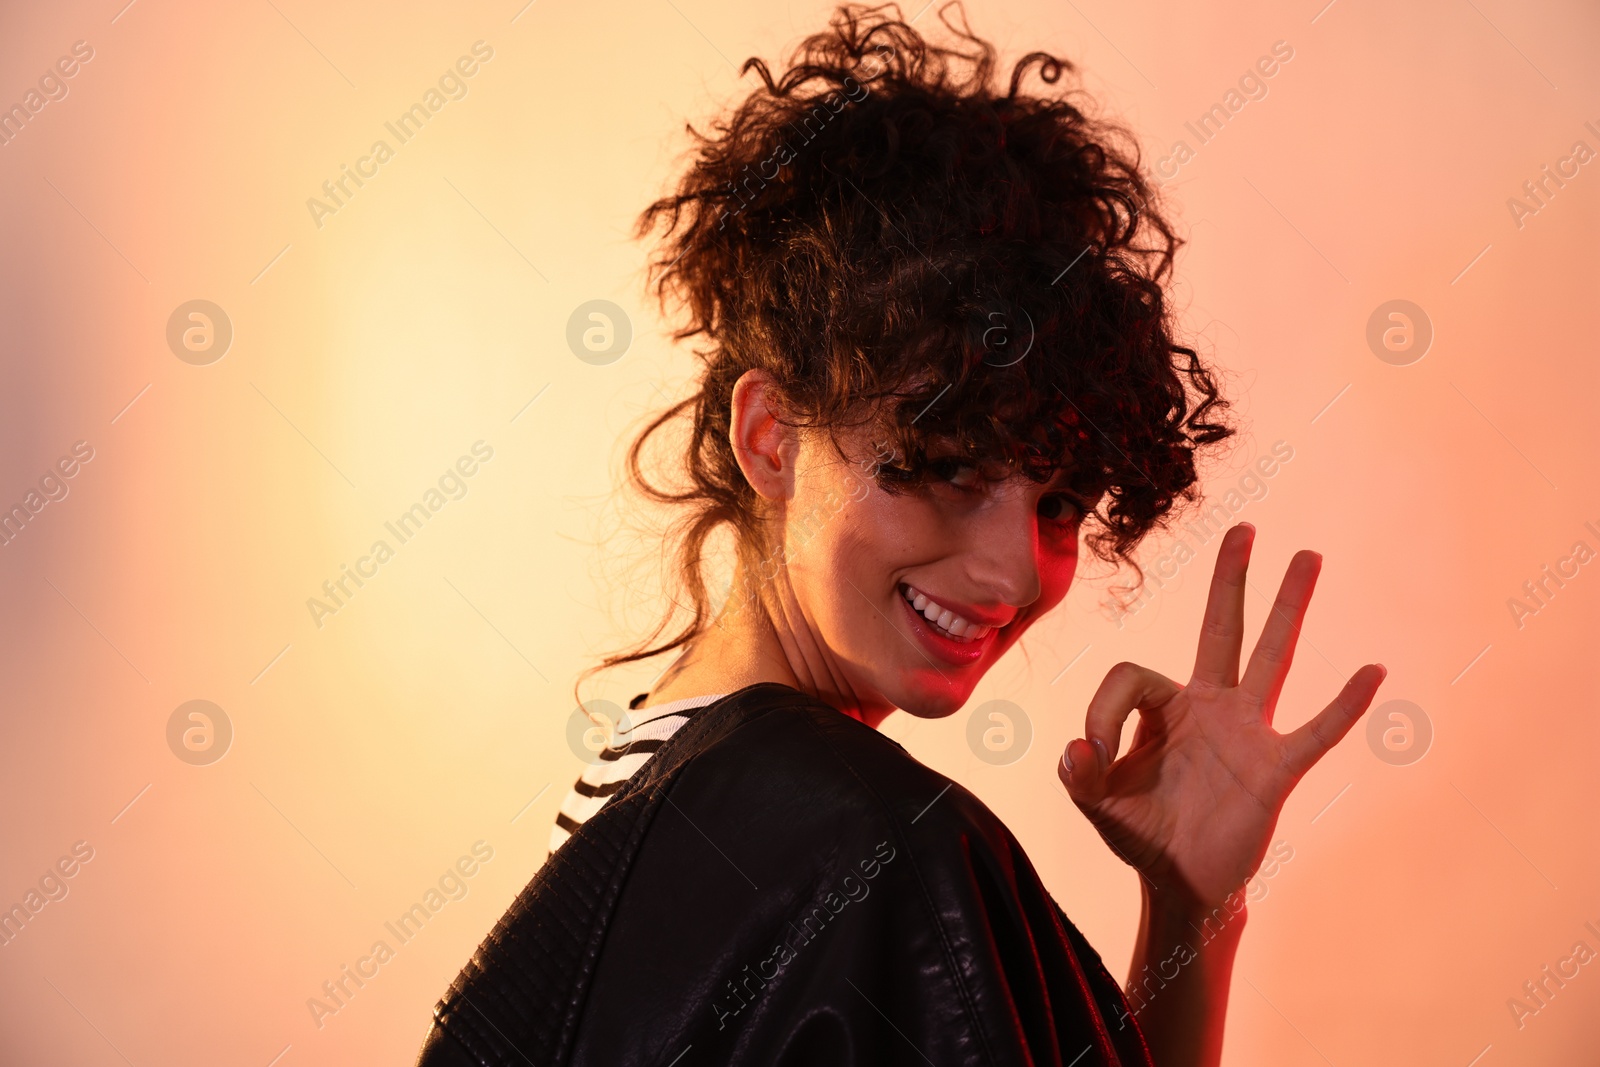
944	621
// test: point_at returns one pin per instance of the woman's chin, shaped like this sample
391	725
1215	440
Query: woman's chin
937	697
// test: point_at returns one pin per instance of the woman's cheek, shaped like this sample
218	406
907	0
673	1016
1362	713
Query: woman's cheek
879	519
855	488
1056	570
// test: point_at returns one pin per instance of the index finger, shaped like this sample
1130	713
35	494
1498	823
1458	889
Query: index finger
1222	631
1127	688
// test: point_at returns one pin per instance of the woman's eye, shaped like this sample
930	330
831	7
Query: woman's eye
1058	508
956	472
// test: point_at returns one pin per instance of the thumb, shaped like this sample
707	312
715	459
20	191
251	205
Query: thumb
1083	769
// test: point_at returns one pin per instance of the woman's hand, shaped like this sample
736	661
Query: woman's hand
1193	803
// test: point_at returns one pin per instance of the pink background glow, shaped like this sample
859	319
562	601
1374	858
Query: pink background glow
370	352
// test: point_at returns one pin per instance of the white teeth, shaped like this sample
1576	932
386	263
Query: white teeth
943	617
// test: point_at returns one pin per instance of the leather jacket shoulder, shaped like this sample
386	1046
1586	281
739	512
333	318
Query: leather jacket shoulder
781	884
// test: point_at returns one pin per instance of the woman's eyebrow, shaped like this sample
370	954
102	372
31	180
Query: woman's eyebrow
1065	480
1062	477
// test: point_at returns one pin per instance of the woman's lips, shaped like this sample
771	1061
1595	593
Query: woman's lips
957	651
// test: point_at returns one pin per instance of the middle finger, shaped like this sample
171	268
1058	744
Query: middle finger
1274	652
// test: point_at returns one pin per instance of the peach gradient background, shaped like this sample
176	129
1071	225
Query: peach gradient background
372	752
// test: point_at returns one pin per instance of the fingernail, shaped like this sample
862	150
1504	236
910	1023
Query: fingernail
1105	757
1066	761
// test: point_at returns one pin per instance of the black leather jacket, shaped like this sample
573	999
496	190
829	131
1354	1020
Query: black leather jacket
781	884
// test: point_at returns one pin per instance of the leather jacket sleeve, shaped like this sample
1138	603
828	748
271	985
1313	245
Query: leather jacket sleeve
789	887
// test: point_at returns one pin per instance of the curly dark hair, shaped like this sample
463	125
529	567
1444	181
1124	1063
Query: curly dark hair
896	241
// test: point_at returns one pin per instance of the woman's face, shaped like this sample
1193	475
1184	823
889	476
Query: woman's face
912	596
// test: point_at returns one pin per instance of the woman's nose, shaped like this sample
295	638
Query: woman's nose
1004	550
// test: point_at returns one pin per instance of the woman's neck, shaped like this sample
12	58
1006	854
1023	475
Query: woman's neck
756	644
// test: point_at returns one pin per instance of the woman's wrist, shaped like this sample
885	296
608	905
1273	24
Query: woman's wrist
1181	916
1182	967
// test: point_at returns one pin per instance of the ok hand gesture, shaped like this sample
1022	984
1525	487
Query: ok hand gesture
1193	803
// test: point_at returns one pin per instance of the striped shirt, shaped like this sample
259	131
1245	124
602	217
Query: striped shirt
642	731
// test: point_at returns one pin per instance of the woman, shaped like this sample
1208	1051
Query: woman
935	348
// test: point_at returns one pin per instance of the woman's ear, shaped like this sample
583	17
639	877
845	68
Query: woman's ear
764	447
